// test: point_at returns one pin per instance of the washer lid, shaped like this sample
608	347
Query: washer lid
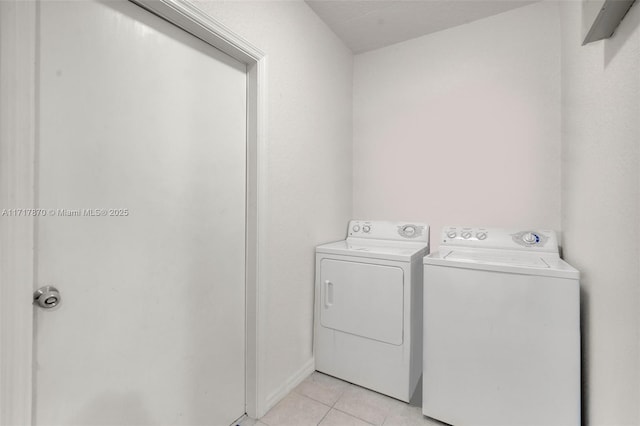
504	261
377	249
504	258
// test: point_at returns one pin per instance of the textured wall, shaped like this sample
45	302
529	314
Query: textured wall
601	208
462	126
309	142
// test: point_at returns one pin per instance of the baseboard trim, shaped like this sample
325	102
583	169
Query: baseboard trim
297	378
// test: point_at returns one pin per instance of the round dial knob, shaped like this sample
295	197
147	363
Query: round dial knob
409	231
366	228
481	235
356	228
466	234
452	234
530	238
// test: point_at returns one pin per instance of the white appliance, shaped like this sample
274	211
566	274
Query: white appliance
368	306
502	330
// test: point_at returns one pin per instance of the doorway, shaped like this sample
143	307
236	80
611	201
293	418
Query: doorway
63	163
141	172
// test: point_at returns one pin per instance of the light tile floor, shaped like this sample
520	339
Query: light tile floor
327	401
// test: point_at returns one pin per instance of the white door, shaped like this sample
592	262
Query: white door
141	165
364	299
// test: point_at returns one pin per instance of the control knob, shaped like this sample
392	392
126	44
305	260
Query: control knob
366	228
481	235
356	228
530	238
452	234
466	234
409	230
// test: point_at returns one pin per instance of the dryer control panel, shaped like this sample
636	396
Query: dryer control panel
543	240
383	230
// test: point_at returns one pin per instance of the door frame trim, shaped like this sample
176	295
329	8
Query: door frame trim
17	149
18	134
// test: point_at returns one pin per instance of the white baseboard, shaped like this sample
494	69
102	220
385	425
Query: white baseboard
293	381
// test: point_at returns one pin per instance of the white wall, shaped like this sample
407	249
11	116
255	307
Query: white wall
601	208
462	126
309	136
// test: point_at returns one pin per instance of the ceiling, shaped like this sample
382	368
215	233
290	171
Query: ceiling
370	24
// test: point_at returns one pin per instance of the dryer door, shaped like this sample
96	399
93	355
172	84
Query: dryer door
364	299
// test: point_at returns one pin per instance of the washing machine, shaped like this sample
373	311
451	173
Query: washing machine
501	330
368	306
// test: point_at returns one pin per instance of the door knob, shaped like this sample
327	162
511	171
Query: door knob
47	297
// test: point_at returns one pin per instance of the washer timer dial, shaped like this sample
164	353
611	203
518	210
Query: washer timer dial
530	238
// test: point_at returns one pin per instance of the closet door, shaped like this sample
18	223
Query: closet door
141	168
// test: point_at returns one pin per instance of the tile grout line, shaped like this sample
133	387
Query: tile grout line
350	414
341	393
295	390
359	418
333	405
325	415
356	416
314	400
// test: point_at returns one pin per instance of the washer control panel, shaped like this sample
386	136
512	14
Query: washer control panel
383	230
450	233
530	239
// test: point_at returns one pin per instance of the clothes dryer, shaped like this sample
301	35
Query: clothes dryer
502	330
368	306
